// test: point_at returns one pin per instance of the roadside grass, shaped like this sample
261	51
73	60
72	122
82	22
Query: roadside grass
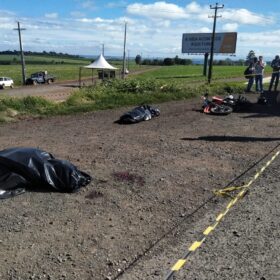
115	94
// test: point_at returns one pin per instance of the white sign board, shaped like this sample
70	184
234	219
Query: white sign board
201	42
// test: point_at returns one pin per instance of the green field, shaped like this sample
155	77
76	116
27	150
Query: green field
190	73
158	84
68	70
42	59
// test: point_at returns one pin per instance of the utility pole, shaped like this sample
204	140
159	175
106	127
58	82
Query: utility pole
205	65
216	7
124	44
21	53
128	60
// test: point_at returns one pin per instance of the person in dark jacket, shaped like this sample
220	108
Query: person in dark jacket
252	75
275	64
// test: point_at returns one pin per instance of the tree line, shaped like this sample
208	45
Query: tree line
179	61
43	53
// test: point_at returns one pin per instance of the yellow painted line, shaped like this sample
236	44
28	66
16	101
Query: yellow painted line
240	194
220	217
229	205
262	169
226	211
235	200
196	245
249	183
181	262
178	265
208	230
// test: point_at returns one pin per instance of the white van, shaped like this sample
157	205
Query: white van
6	82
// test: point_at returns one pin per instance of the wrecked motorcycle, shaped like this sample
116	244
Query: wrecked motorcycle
215	106
237	104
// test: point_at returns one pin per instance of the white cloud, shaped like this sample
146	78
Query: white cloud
51	15
230	27
87	4
77	14
116	4
163	23
193	7
157	10
243	16
95	20
204	30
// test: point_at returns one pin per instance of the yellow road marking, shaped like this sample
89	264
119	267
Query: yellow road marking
196	245
178	265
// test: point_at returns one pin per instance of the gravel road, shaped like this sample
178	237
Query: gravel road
138	227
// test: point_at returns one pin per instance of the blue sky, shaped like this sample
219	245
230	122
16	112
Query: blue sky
155	28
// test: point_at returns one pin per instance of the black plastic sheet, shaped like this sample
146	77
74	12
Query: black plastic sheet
138	114
22	168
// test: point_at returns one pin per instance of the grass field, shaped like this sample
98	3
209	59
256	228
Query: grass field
68	70
154	86
43	59
185	74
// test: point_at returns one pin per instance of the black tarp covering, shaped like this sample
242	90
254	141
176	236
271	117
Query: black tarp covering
22	168
138	114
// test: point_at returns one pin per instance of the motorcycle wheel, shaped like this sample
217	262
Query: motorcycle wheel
221	110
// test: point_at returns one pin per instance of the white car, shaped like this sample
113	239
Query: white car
6	82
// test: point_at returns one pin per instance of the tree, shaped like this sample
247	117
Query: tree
250	56
168	61
177	60
138	59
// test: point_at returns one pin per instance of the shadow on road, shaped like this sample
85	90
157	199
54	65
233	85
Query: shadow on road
224	138
270	108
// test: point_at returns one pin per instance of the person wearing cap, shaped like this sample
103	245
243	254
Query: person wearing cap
275	64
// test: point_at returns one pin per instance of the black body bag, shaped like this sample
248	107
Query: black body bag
22	168
138	114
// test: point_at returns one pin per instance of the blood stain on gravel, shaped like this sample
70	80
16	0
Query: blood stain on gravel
125	176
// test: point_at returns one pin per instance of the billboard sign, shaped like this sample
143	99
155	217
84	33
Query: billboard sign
194	43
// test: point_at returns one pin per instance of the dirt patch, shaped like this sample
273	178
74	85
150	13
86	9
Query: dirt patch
149	178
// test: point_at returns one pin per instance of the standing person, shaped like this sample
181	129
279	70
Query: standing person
275	64
252	74
259	70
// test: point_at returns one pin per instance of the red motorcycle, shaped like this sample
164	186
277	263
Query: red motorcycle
216	106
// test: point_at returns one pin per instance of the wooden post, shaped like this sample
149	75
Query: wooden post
80	77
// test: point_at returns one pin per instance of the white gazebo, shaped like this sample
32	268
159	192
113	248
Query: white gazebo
105	70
